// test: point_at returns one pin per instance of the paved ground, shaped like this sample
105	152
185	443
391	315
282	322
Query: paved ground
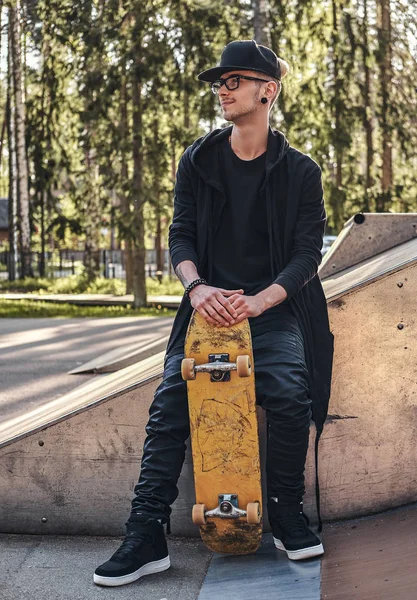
61	568
36	354
365	559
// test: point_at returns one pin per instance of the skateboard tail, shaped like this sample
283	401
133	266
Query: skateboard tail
237	537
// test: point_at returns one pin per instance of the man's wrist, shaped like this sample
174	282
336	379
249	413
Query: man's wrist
193	285
271	296
194	290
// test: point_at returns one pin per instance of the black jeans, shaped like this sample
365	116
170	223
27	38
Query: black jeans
281	381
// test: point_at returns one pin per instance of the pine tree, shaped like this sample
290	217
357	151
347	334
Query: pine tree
20	131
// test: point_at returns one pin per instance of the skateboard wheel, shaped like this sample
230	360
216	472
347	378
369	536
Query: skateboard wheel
199	511
253	516
243	366
187	368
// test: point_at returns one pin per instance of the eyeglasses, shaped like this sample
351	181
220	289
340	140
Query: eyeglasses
232	82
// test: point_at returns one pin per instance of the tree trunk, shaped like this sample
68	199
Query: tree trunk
367	110
22	170
158	243
385	79
92	230
3	133
42	262
43	182
13	224
173	161
336	199
157	199
124	195
139	277
186	107
260	22
173	177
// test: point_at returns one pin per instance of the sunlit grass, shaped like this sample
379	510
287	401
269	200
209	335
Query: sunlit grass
32	309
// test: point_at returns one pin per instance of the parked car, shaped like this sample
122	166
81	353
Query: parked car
327	242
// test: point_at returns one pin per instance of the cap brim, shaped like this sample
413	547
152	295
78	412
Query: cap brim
215	73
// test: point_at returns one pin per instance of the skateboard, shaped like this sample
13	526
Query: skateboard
218	368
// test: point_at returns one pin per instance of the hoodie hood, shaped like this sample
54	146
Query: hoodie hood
206	162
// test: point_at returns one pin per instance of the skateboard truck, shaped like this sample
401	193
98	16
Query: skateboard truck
228	508
218	366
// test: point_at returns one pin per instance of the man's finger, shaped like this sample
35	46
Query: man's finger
230	292
214	313
241	316
226	305
237	298
224	310
239	320
207	317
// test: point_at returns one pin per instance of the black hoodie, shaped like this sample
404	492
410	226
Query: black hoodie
296	222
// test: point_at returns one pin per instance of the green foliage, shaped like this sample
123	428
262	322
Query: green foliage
61	224
165	288
79	284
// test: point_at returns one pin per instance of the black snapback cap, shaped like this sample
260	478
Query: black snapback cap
244	55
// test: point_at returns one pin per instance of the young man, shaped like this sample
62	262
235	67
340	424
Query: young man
245	241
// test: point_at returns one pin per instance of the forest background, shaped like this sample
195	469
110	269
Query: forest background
100	98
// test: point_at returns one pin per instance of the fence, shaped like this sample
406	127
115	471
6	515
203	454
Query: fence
62	263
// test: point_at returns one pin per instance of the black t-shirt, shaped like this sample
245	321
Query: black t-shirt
241	253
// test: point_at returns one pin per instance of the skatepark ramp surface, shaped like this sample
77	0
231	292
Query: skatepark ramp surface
366	235
84	397
62	456
123	357
368	449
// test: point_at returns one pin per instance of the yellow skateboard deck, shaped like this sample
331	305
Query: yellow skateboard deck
219	370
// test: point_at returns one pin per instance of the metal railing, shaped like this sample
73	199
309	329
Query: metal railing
62	263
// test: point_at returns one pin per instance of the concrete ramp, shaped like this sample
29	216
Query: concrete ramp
83	398
365	235
70	465
368	459
123	357
371	270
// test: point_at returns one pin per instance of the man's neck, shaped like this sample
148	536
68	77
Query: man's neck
249	140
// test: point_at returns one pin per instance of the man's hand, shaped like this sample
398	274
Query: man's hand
213	304
247	306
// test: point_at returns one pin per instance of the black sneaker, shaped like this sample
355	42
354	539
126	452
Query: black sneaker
143	552
291	532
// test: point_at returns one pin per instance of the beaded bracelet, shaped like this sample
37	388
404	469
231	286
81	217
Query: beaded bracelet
194	284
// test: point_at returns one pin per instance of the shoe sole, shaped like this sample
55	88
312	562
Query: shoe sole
302	553
152	567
